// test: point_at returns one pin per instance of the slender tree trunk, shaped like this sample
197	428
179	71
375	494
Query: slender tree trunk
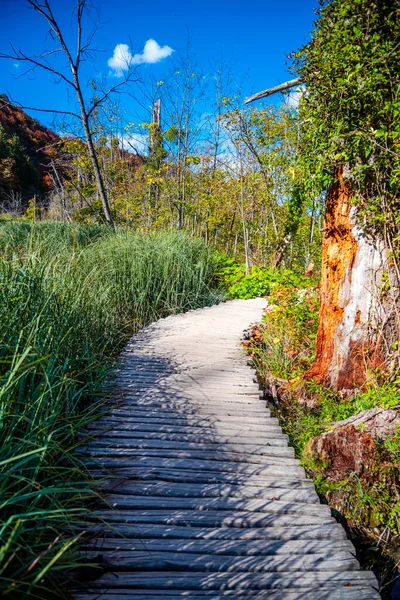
92	153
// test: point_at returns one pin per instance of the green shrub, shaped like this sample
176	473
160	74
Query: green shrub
260	282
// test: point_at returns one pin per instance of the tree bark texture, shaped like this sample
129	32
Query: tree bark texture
351	313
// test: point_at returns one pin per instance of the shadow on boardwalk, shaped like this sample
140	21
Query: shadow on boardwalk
204	498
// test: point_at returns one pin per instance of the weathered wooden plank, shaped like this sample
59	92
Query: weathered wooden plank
133	393
201	414
143	560
211	518
278	507
223	547
127	443
325	532
195	408
356	592
176	475
256	423
229	428
114	445
183	490
238	581
272	439
191	406
187	464
274	457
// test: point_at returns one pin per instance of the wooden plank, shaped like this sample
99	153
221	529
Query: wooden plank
183	405
357	592
278	507
164	473
183	490
132	393
199	413
211	518
191	405
128	443
271	469
131	422
203	405
174	426
321	532
237	581
271	439
155	474
143	560
228	416
253	548
273	457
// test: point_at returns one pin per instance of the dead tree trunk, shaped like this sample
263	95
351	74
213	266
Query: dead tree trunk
156	152
351	311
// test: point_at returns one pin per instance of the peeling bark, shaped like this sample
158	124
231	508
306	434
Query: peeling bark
348	342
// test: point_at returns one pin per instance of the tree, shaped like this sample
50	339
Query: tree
350	146
72	80
267	140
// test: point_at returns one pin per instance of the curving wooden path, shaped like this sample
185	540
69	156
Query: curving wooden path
205	498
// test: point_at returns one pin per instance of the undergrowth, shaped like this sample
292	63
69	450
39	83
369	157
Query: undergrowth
283	348
232	278
70	296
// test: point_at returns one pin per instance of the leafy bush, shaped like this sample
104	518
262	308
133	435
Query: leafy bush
285	341
69	299
260	282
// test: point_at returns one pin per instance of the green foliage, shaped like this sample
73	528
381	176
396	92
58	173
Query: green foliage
282	347
260	282
70	297
350	113
47	239
286	340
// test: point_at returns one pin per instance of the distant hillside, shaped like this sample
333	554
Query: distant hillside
26	150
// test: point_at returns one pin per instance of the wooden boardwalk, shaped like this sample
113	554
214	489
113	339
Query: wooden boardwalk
205	499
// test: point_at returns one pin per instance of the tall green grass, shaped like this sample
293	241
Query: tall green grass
69	299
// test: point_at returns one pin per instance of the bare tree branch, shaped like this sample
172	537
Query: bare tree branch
106	95
278	88
47	110
20	56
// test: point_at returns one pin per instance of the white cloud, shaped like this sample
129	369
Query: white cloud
135	142
293	97
16	65
122	58
152	53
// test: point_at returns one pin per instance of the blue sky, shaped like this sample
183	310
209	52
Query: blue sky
252	37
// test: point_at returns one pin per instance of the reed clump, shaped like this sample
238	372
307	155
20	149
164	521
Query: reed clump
70	296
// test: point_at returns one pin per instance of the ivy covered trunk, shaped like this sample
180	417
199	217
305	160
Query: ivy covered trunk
349	340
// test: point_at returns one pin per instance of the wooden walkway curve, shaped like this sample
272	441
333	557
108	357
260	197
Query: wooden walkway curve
205	499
